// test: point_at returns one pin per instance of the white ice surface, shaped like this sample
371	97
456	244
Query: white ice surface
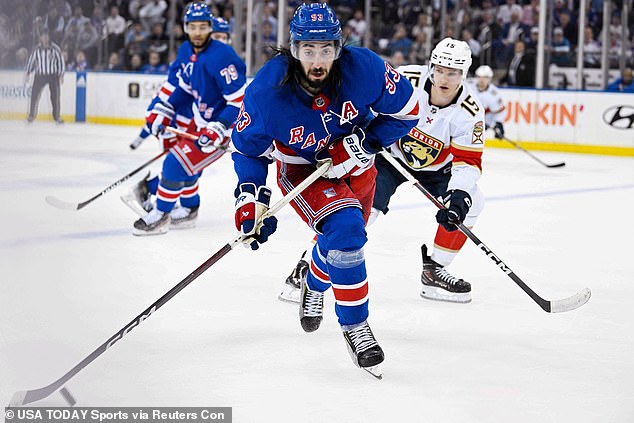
69	280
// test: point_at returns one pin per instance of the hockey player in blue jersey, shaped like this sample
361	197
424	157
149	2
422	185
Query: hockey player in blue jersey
213	83
140	197
304	105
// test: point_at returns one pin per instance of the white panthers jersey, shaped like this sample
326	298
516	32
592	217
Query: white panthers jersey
454	133
491	100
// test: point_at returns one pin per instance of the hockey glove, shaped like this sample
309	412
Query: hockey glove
159	117
457	203
348	154
251	204
212	137
499	130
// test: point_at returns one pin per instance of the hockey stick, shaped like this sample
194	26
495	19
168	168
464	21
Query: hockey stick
556	306
519	147
27	397
193	137
65	205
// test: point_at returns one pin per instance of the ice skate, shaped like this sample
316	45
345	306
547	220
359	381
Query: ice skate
439	285
291	291
153	223
183	217
311	308
363	348
139	198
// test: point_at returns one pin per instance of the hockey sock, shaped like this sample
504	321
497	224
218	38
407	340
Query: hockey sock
152	184
167	194
317	277
189	195
447	245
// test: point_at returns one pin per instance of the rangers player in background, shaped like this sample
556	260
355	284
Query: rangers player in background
444	153
213	82
490	98
140	197
305	105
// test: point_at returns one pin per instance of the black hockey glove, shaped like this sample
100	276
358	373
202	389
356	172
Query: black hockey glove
457	203
499	130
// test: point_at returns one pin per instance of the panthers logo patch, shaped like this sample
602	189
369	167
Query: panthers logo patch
478	132
419	149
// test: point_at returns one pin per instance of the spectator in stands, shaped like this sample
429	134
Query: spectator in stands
625	84
474	45
158	41
533	39
154	66
55	25
88	40
399	41
358	24
512	31
521	70
80	63
530	13
115	29
506	10
421	49
591	49
77	19
397	59
569	27
136	40
135	63
114	62
560	48
349	37
152	13
423	25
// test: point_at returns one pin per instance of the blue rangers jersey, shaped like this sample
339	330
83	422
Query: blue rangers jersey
215	79
182	58
298	124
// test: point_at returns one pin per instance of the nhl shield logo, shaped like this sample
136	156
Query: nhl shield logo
419	150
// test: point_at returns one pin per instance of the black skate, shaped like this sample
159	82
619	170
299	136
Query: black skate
136	143
311	308
292	287
139	198
183	217
363	348
438	284
154	223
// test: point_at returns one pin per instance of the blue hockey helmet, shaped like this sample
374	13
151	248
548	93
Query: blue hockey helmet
197	12
220	25
315	22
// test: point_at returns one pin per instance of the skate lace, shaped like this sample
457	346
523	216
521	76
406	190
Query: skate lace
313	303
445	276
362	338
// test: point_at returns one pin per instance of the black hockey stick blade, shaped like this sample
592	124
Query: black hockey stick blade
537	159
65	205
61	204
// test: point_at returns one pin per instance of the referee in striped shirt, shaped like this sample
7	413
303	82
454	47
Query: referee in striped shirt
47	63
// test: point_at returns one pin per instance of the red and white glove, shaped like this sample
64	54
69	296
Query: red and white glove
251	204
349	157
212	137
159	118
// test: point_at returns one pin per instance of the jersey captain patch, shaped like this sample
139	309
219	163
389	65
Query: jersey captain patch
419	149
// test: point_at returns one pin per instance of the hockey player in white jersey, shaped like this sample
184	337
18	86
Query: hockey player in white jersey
443	152
490	98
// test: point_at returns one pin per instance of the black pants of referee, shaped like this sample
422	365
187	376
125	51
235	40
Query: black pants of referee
36	91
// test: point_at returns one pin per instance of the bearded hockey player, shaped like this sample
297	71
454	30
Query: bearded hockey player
444	152
304	105
213	81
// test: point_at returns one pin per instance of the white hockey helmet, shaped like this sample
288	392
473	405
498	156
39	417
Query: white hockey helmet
484	71
454	54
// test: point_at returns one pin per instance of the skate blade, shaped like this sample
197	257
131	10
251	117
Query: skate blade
289	294
439	294
159	231
375	371
129	200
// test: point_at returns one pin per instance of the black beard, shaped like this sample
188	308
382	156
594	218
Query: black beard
315	85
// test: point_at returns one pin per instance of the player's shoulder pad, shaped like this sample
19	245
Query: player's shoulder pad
470	104
405	69
361	63
270	75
